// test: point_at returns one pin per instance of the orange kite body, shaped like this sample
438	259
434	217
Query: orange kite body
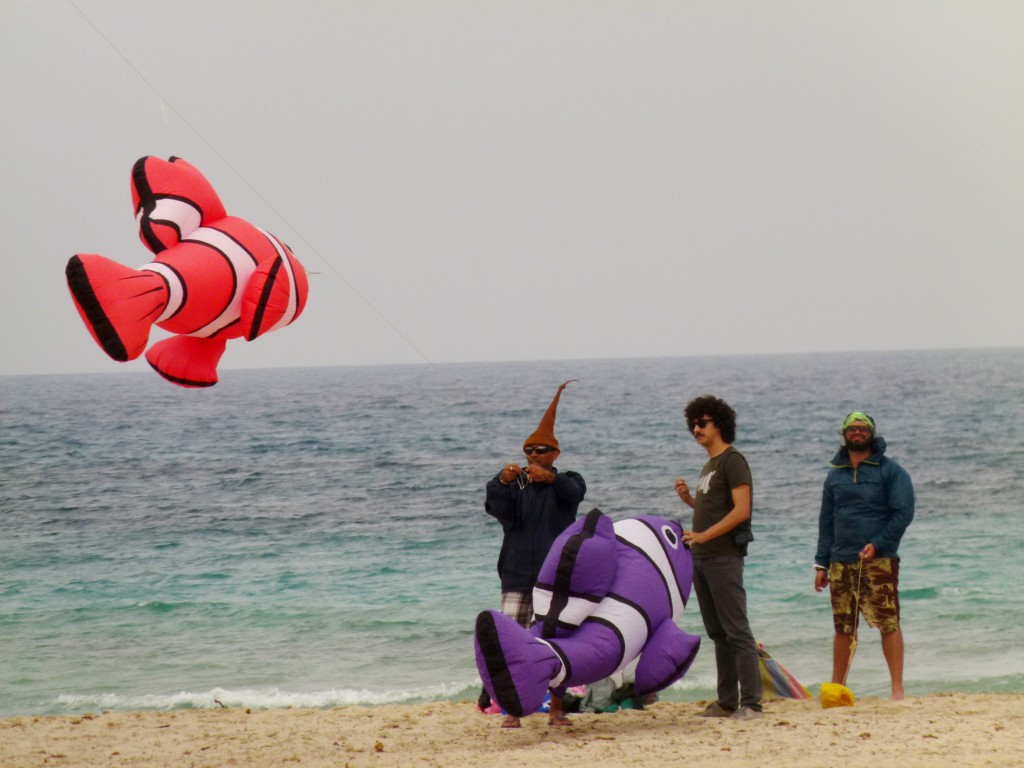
214	277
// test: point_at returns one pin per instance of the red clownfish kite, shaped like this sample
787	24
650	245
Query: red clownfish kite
215	277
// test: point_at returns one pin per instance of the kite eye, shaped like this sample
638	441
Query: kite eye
670	536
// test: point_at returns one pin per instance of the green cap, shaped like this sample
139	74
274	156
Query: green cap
859	416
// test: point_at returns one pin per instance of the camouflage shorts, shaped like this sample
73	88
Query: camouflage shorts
879	594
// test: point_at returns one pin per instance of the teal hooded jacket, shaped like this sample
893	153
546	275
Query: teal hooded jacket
872	504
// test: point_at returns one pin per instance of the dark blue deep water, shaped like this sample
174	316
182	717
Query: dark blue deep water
317	537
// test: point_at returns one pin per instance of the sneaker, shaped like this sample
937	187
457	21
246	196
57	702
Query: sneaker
714	709
747	713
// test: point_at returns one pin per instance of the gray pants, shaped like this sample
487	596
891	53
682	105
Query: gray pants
718	582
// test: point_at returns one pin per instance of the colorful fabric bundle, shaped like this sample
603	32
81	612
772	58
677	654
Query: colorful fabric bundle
776	680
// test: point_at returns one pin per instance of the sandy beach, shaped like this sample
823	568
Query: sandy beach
936	730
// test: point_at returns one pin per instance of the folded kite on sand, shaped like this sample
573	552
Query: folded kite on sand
776	680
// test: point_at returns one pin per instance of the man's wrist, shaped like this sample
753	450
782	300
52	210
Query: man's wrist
820	567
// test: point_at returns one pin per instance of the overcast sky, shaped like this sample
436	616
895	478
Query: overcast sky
473	181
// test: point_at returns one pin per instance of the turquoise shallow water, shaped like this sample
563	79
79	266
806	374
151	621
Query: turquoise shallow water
317	537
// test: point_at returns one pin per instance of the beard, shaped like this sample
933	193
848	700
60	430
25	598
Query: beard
859	443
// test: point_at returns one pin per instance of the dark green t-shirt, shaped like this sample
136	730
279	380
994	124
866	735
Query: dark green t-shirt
713	498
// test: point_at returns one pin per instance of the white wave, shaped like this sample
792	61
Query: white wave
260	698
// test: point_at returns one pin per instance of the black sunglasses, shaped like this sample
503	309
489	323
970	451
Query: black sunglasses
541	449
702	422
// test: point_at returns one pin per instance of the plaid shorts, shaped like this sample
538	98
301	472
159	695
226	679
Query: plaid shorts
519	606
879	594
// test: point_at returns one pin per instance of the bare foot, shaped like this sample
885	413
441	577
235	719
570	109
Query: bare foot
556	715
511	722
897	695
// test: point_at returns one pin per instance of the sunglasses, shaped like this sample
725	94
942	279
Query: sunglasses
865	430
702	422
540	449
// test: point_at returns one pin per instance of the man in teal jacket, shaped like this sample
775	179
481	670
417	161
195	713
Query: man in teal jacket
866	505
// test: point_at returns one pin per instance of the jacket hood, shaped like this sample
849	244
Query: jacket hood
842	459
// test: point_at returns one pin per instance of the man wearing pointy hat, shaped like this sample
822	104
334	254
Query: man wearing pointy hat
866	505
534	504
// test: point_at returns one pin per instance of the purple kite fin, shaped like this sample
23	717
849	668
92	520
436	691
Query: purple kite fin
516	668
577	573
666	657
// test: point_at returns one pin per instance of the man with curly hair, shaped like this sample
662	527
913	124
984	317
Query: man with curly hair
721	532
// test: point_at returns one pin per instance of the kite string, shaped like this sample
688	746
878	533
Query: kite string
856	619
164	103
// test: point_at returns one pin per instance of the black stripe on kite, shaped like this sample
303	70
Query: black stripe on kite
268	288
497	668
662	576
563	573
82	290
180	381
147	203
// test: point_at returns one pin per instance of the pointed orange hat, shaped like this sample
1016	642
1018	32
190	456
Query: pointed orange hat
545	433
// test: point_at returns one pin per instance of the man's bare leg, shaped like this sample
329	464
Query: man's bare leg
555	714
892	649
841	646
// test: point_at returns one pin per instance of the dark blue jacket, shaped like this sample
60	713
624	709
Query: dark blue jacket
532	517
874	503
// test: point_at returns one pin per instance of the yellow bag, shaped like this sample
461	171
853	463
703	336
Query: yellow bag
836	695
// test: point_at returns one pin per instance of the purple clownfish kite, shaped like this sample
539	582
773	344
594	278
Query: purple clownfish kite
607	594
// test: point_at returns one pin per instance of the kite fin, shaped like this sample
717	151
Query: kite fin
187	361
666	657
171	199
118	304
275	294
516	668
578	571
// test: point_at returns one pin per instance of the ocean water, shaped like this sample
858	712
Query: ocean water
317	537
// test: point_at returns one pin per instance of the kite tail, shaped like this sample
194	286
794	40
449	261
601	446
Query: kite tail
516	668
118	304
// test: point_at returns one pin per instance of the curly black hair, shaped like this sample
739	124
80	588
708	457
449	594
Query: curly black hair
717	410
